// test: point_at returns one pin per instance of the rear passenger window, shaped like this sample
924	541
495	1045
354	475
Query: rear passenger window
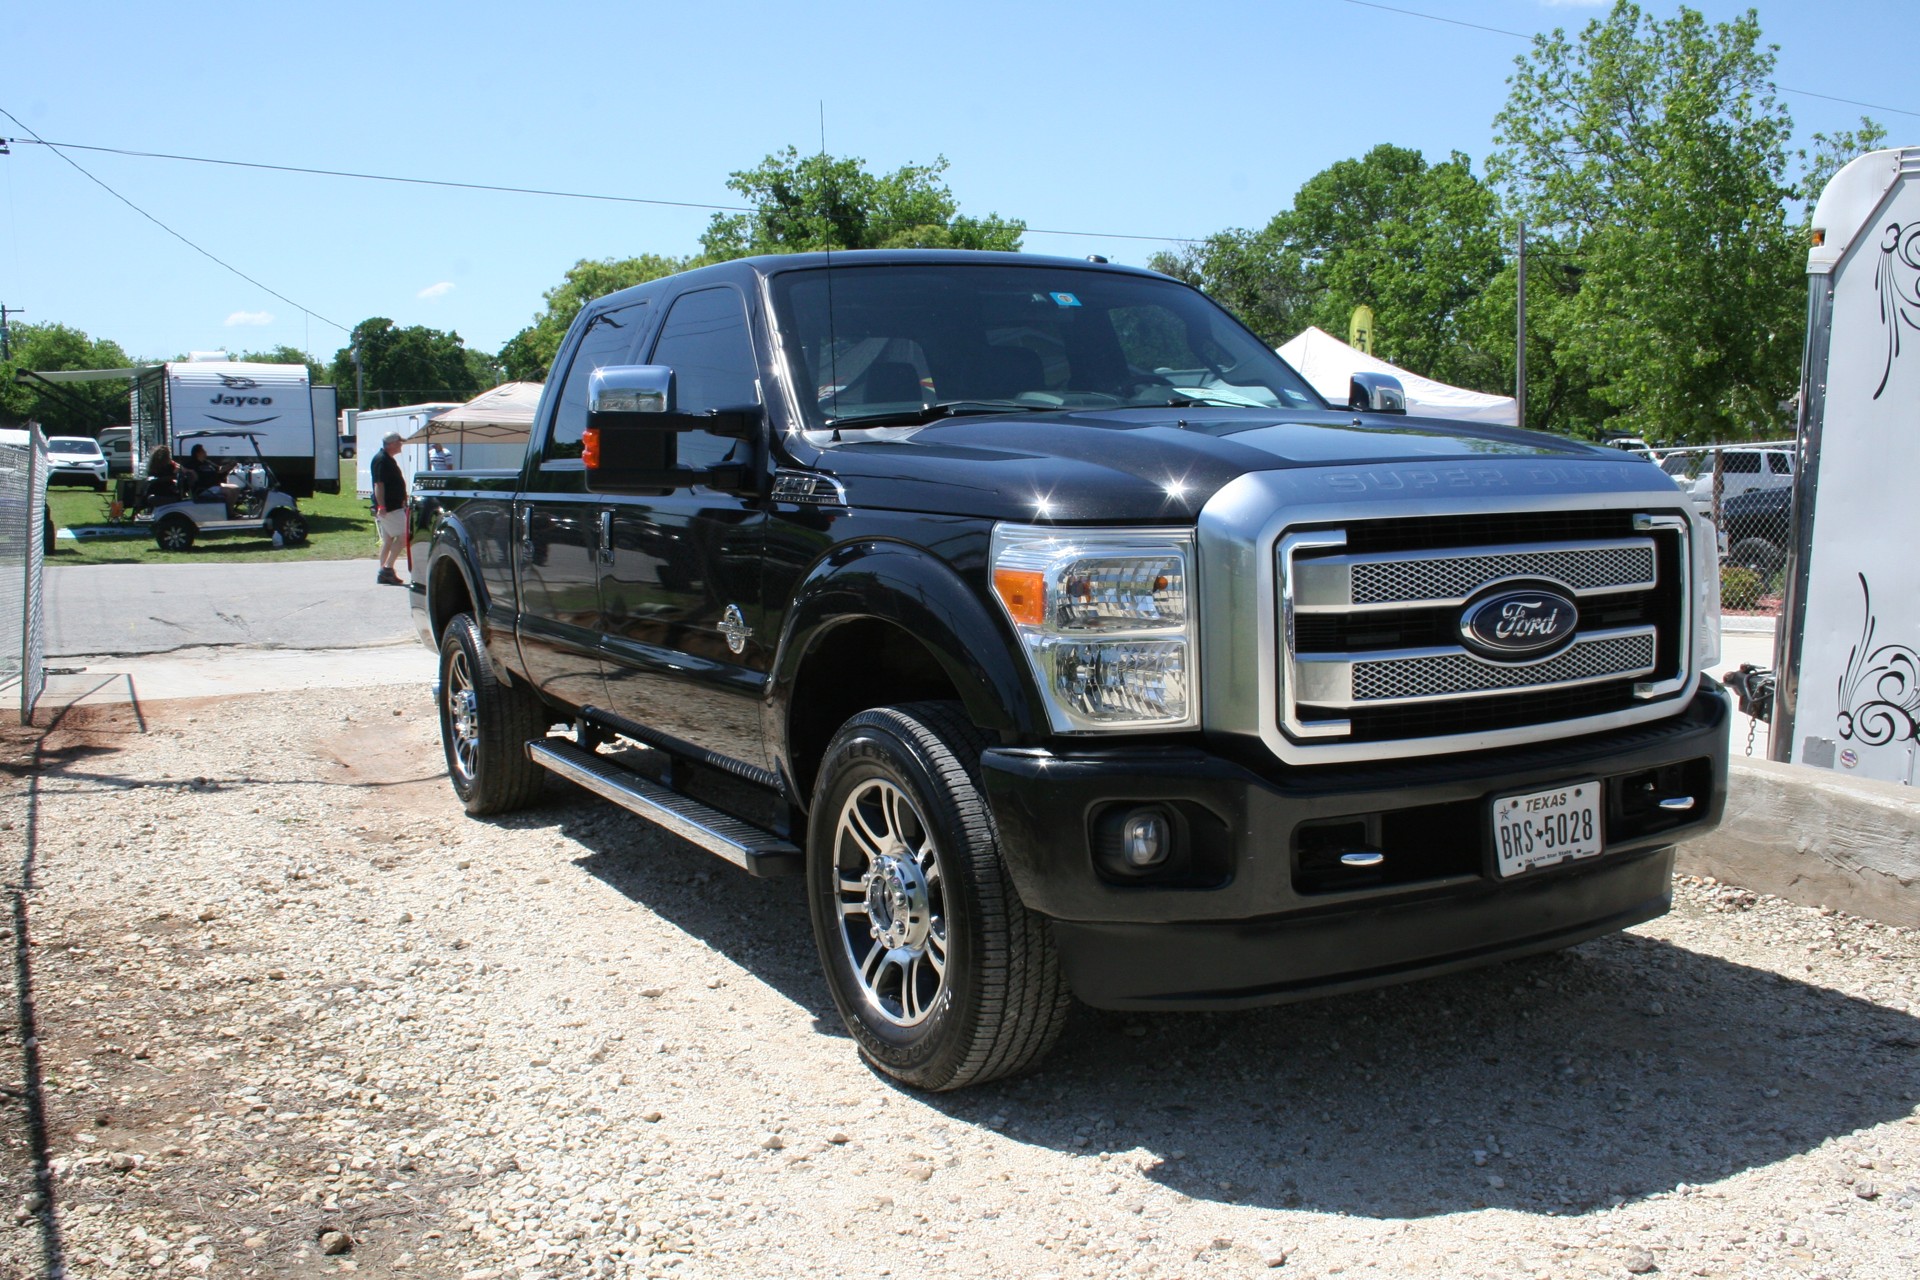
610	339
1780	463
1740	464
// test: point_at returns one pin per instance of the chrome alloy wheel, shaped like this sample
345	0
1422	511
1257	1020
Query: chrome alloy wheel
463	716
892	902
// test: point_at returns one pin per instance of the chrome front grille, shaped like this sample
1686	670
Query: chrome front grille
1448	675
1453	578
1372	640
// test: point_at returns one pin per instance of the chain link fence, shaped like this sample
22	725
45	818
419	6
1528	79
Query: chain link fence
26	535
1756	530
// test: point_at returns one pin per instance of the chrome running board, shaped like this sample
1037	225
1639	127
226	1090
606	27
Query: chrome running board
760	853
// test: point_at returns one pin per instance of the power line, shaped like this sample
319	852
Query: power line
523	191
1521	35
206	253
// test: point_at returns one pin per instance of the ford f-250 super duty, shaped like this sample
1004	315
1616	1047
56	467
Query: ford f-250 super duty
1067	642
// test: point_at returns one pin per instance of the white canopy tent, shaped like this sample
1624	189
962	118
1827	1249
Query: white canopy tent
503	415
1329	364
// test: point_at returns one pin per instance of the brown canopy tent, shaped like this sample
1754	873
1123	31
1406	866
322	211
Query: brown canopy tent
503	415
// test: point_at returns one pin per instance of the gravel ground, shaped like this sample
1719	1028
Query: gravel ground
286	1011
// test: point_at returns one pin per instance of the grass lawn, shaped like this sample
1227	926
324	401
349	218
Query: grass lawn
339	527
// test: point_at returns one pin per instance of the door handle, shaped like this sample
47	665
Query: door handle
606	535
526	531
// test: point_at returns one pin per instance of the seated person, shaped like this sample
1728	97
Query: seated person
164	482
206	476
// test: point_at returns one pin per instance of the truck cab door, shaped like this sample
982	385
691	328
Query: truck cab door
557	529
687	648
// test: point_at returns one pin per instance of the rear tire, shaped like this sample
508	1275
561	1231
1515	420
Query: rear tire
485	725
174	533
942	975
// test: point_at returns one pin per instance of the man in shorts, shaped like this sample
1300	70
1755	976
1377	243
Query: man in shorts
390	508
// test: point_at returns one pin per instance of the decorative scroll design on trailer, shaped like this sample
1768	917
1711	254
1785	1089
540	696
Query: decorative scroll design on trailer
1880	689
1897	282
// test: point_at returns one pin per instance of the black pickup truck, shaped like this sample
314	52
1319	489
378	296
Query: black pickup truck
1069	644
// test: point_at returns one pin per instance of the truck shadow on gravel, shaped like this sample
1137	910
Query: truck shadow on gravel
1554	1085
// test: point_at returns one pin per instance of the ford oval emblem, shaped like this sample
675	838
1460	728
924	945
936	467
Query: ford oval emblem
1519	624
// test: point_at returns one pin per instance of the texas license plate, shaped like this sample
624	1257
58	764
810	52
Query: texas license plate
1541	828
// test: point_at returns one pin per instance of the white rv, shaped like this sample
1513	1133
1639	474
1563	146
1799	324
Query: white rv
293	419
1848	652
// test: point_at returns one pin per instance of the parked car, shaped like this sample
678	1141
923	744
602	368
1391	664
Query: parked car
76	460
1756	528
117	444
1742	470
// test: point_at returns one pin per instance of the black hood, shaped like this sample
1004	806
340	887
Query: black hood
1147	465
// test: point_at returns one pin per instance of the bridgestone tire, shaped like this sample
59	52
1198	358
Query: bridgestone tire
174	533
486	743
1002	999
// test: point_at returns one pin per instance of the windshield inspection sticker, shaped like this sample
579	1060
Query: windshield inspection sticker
1065	299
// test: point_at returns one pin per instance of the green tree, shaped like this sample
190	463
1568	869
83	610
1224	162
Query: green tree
528	354
406	365
1245	272
1416	242
284	354
68	408
1652	155
1832	152
813	202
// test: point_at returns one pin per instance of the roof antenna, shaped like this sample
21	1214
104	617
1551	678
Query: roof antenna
826	219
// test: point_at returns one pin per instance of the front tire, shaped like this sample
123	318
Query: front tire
941	974
292	528
174	533
485	725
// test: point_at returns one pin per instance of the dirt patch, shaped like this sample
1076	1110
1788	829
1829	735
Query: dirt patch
286	998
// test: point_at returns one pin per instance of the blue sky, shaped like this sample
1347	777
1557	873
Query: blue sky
1120	117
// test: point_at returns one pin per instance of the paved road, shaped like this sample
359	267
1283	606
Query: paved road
307	604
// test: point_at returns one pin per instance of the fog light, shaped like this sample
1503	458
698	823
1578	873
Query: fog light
1146	838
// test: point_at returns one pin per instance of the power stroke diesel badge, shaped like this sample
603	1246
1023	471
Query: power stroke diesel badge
1519	624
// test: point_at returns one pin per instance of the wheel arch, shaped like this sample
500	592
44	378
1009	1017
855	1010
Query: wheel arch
453	588
881	623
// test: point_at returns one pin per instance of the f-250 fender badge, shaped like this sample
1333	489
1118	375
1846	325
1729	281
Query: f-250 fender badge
1519	624
733	625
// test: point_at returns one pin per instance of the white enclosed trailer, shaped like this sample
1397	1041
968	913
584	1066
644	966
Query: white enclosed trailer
1848	652
372	425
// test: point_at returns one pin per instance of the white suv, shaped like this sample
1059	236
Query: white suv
1742	470
76	460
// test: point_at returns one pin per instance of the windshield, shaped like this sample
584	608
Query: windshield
73	444
909	342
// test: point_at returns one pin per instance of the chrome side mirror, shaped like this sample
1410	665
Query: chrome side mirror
1376	393
630	388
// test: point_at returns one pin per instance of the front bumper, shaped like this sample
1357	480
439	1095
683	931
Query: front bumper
1260	915
80	474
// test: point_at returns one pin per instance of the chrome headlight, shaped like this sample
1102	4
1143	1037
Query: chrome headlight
1105	619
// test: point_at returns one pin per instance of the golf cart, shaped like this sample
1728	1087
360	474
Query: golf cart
260	506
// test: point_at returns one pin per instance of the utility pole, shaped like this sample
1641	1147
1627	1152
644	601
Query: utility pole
6	333
1520	340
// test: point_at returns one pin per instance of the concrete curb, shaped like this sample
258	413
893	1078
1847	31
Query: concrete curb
1817	838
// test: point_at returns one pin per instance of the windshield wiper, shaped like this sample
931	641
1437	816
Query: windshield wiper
929	413
1188	402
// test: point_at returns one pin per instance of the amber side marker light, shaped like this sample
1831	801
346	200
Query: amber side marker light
590	448
1819	236
1024	592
